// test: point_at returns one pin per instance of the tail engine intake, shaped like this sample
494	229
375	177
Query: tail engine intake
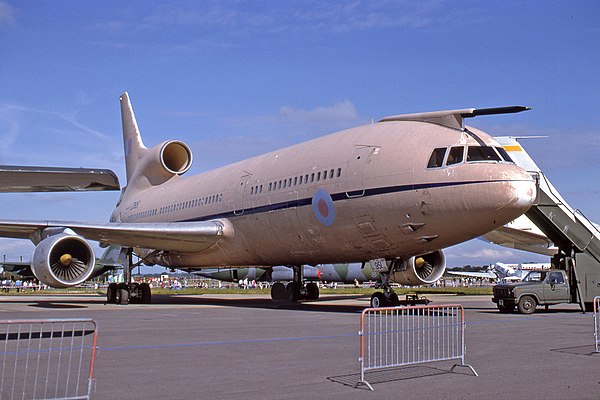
421	270
63	260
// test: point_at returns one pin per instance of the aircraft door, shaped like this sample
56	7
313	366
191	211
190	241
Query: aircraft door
240	190
355	178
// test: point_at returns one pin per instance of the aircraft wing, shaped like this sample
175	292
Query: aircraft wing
51	179
170	236
488	275
519	239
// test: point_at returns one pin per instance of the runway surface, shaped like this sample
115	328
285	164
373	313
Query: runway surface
247	347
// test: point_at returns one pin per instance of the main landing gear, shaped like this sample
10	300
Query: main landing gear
388	297
128	292
295	290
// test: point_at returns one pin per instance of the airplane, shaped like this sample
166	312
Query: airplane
278	273
342	273
395	192
503	272
20	178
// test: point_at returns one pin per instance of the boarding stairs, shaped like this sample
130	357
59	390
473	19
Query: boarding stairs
577	238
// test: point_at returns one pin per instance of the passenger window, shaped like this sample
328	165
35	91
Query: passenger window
504	154
482	153
437	158
456	155
339	172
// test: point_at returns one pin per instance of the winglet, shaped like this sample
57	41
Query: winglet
454	118
132	140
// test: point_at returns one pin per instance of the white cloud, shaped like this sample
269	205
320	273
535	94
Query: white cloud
338	113
490	254
7	14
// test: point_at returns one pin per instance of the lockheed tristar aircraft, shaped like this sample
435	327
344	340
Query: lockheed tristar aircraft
394	192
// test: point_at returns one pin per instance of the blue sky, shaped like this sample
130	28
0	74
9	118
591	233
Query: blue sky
235	79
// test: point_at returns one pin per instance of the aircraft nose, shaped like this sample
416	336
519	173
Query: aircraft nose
519	192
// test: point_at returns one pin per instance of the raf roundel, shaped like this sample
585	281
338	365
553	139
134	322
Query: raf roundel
322	206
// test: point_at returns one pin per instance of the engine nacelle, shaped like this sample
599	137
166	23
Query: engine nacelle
164	161
421	270
63	260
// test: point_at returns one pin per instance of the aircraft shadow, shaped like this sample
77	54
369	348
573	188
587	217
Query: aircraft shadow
323	304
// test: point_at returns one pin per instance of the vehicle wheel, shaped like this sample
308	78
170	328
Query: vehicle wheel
146	293
527	305
111	293
122	294
293	292
394	300
505	309
278	292
312	291
378	300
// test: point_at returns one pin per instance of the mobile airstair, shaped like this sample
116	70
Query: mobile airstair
577	238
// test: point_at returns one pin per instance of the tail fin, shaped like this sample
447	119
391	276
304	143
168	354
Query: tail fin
132	140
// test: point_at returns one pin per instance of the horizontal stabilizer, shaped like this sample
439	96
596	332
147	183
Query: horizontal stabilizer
454	118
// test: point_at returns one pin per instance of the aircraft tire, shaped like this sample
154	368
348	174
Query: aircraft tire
122	294
312	291
111	293
278	292
146	293
527	305
293	292
378	300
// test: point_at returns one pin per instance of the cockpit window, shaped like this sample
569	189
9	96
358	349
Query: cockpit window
482	153
456	155
437	158
504	154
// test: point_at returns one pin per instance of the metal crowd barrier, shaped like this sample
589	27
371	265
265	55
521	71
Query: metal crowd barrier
596	323
47	358
401	336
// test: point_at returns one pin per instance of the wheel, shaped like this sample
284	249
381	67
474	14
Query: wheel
293	292
146	293
111	293
278	292
506	309
312	291
378	300
394	300
527	305
134	293
122	294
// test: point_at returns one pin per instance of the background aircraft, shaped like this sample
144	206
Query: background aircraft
20	178
503	272
395	192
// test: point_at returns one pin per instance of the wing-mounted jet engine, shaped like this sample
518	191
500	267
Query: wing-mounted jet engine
63	260
418	270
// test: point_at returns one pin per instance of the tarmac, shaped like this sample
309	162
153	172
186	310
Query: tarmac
248	347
